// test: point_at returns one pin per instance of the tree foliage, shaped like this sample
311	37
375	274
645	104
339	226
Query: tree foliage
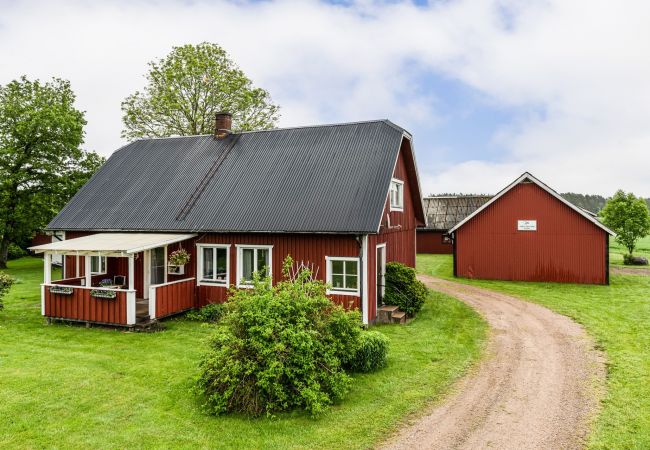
187	88
628	216
41	162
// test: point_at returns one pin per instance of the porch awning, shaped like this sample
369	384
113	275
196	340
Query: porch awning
111	244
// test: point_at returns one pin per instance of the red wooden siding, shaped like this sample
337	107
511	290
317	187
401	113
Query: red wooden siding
565	248
398	233
431	241
175	298
80	305
302	247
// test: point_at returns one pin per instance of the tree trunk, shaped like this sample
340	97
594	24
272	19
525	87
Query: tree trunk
4	252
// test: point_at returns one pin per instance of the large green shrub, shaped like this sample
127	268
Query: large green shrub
15	252
403	289
372	352
212	312
5	283
279	348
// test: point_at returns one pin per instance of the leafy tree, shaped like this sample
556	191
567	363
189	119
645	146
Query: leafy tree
628	217
41	163
187	88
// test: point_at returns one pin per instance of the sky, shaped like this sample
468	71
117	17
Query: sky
488	88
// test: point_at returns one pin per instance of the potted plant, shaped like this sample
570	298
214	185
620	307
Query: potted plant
177	261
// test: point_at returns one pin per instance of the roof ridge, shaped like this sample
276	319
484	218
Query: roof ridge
297	127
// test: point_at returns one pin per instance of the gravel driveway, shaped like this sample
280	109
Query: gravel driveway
537	388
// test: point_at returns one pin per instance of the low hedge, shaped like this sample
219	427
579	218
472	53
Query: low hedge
5	283
212	312
372	352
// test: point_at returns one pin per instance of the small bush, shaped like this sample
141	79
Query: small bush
212	312
403	289
372	352
279	348
15	252
630	260
5	283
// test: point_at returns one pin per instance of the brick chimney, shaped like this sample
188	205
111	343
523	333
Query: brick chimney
222	125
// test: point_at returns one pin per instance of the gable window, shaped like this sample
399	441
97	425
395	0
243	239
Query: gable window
252	259
343	275
97	265
214	264
396	195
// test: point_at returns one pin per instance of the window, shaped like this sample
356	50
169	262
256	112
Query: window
396	195
214	264
97	265
343	275
251	259
446	239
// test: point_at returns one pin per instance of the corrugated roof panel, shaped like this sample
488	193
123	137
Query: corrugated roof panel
312	179
445	212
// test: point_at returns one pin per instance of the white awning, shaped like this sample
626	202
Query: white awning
111	244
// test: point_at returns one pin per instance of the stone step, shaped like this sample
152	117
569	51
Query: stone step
399	317
385	313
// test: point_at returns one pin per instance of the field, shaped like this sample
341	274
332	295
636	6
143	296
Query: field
71	387
618	317
617	251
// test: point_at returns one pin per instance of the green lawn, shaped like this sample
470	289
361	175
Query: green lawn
71	387
618	317
617	251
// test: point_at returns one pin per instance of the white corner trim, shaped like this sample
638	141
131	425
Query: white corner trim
364	270
240	261
328	275
199	266
152	302
130	308
529	176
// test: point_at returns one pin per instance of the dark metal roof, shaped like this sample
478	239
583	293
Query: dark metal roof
330	179
445	212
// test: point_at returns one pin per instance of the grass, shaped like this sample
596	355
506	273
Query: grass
71	387
618	317
616	251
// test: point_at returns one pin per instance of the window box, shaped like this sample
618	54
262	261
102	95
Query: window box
101	293
63	290
174	269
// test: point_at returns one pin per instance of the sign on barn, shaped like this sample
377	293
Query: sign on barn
526	225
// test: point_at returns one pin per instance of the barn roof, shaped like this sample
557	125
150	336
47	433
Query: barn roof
328	179
446	211
527	177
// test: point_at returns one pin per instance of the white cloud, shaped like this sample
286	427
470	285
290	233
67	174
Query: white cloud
583	64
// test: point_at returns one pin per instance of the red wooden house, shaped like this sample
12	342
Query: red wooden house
345	198
529	232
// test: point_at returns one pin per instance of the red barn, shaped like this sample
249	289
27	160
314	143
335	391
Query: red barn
442	213
343	198
528	232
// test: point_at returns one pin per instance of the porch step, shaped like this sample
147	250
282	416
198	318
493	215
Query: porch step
386	313
399	317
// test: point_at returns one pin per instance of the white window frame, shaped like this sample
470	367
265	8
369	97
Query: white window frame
101	258
395	206
240	261
328	277
200	281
